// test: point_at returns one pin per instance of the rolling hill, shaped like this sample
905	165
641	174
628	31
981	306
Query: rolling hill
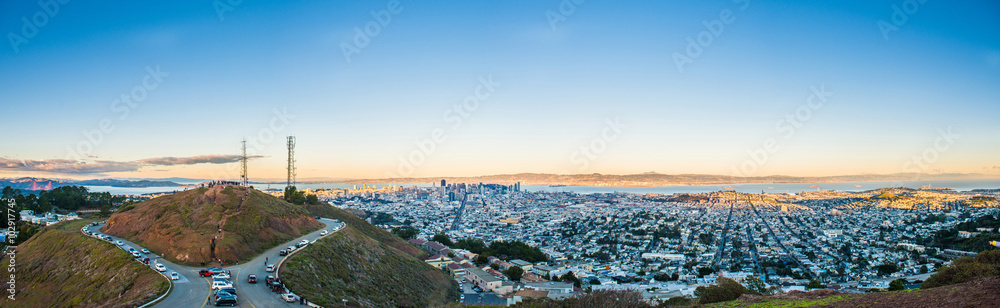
60	267
368	266
181	226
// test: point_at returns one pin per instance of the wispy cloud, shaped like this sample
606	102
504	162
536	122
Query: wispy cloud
105	166
200	159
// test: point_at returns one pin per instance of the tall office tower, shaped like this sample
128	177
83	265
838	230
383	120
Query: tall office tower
442	183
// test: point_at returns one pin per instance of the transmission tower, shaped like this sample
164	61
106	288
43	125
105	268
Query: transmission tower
243	163
291	161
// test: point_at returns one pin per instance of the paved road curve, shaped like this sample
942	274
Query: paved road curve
192	290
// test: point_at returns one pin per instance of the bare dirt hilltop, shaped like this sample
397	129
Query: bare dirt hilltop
181	227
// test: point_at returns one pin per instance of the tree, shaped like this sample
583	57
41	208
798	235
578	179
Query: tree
472	244
923	269
814	284
702	271
495	266
405	234
886	269
294	196
569	276
482	259
595	281
443	239
897	285
105	210
514	272
312	199
756	284
726	290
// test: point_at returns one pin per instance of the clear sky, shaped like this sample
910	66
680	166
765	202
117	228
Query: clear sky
550	76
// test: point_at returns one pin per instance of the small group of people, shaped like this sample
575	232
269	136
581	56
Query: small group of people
220	183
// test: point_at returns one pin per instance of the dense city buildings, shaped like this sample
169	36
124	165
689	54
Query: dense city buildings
846	240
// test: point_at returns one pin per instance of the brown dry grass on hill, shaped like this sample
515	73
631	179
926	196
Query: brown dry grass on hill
983	292
60	267
181	226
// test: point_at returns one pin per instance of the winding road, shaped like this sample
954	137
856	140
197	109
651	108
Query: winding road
192	290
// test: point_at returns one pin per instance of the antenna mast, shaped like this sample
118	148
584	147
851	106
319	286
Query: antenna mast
243	163
291	161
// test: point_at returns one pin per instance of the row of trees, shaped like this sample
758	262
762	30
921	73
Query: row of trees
501	249
68	198
64	199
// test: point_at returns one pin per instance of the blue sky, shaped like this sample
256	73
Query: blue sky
558	88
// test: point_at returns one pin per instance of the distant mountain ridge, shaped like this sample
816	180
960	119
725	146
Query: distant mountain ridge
31	183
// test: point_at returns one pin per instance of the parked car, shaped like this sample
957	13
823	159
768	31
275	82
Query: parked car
289	297
93	223
269	279
175	276
222	275
283	252
119	243
135	254
324	232
227	290
269	268
252	278
220	284
144	250
210	271
160	267
224	299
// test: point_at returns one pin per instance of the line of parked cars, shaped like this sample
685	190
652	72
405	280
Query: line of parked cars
138	254
223	291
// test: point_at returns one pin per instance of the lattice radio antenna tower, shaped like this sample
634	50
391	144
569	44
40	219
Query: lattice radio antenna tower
243	164
291	161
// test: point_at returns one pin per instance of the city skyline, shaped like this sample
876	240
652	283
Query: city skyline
144	91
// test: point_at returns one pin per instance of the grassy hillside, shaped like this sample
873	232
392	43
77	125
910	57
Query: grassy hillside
983	292
350	264
181	226
325	210
60	267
